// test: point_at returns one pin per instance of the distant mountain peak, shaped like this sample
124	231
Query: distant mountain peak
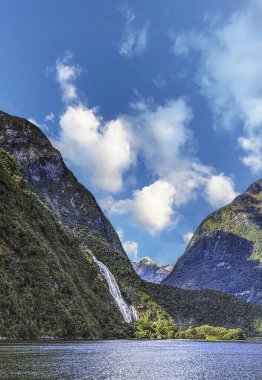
149	271
147	261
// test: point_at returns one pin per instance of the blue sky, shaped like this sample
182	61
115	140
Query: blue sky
156	106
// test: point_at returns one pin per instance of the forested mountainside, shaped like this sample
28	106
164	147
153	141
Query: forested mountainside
42	166
225	253
192	308
49	283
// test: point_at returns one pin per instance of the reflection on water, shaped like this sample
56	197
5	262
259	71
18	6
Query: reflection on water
136	360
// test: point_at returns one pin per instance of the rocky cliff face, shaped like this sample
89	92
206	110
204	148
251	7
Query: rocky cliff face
49	284
149	271
42	166
50	226
225	253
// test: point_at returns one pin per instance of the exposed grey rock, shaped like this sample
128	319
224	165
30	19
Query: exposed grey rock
43	168
225	253
149	271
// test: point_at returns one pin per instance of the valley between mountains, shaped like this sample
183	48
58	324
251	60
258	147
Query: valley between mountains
65	274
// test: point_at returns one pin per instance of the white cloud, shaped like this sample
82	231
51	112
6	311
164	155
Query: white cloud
66	74
151	207
189	178
220	190
230	75
105	151
187	237
130	247
100	149
50	117
252	146
155	207
134	39
161	132
43	127
33	121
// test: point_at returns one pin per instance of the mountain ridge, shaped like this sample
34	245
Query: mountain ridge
42	166
149	271
49	285
225	253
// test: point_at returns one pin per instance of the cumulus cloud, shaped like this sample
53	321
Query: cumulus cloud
220	190
130	247
163	132
151	207
230	75
187	237
252	146
101	149
50	117
66	74
134	39
157	135
155	207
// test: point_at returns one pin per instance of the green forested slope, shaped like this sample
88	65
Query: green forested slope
191	308
225	252
49	284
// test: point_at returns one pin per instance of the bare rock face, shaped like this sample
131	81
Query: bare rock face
225	253
149	271
42	166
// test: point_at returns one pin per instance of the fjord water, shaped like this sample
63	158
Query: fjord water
136	360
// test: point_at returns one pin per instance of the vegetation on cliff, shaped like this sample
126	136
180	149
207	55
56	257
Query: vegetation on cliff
49	285
193	308
225	252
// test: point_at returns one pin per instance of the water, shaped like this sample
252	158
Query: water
129	313
136	360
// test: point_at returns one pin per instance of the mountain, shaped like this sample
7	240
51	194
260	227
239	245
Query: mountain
193	308
148	270
44	270
63	271
51	230
225	252
43	168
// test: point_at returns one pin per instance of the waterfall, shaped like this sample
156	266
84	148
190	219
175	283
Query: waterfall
129	313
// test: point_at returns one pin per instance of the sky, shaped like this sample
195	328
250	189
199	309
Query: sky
156	106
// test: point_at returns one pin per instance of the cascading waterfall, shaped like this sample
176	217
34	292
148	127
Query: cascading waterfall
129	313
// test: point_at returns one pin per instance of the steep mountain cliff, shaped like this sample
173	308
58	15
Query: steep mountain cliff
52	235
42	166
149	271
225	253
50	227
50	284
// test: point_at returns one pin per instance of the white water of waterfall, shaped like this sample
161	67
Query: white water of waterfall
129	313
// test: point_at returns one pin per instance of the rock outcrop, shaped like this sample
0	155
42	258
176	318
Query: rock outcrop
42	166
149	271
225	253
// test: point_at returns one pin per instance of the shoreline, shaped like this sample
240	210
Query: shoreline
56	340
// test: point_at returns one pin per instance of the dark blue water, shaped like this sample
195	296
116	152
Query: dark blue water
136	360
